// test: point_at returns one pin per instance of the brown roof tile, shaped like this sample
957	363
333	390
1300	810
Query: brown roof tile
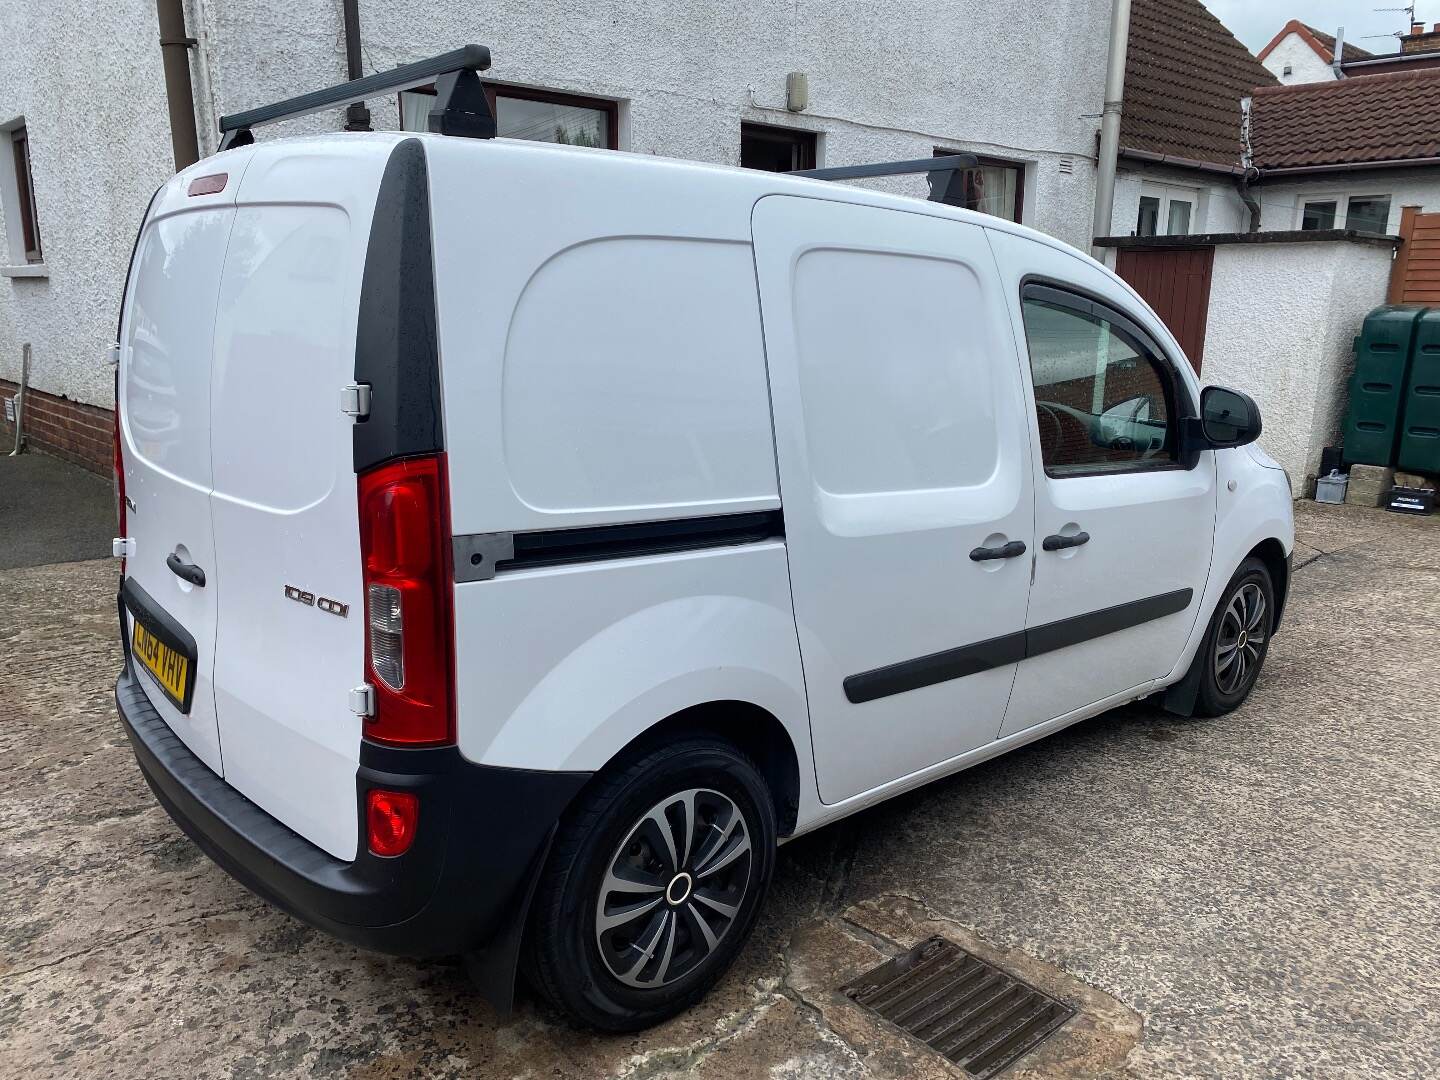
1184	77
1374	118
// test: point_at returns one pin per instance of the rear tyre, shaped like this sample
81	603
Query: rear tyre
654	883
1237	641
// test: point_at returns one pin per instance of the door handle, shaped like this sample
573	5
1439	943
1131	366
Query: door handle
1059	543
184	570
1013	550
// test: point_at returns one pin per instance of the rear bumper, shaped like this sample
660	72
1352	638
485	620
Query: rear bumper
482	835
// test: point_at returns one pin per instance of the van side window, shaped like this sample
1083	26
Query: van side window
1103	400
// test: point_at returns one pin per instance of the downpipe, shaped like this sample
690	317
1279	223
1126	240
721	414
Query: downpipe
1110	124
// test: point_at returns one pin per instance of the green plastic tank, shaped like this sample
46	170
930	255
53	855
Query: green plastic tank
1377	389
1420	429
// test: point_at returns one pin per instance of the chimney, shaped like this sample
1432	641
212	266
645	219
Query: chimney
1420	41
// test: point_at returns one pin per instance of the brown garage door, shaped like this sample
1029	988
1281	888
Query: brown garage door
1176	283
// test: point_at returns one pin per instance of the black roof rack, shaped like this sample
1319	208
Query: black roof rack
944	172
460	106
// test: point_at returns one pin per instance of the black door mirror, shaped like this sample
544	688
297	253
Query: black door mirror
1228	417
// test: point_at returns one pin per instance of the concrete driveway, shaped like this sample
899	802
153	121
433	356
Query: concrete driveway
1256	896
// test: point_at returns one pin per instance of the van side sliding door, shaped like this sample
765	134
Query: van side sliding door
906	480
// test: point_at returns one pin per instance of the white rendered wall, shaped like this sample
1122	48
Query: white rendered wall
1283	318
1306	65
1218	208
1280	196
87	79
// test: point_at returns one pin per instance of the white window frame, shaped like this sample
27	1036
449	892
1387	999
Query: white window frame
1341	199
1168	193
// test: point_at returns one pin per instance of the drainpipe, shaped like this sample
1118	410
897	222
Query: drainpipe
1110	122
175	46
357	116
1248	171
1335	64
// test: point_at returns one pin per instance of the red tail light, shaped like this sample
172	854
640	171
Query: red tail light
409	622
119	465
390	821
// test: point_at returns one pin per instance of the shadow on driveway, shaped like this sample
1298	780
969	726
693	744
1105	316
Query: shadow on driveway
52	512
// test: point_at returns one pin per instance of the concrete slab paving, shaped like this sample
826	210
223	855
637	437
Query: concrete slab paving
1255	896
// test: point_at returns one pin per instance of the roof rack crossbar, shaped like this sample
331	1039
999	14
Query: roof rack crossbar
235	128
944	172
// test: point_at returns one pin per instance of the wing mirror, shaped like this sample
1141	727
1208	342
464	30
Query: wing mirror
1228	418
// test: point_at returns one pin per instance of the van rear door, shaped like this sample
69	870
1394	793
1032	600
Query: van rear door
290	642
167	327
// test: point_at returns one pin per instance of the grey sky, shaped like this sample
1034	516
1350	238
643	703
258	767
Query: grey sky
1255	22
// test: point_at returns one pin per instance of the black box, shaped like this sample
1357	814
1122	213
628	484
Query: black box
1403	500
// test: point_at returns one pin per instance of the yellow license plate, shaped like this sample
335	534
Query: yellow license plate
170	668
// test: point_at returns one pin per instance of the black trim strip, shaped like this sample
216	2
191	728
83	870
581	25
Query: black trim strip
397	352
1010	648
558	547
936	668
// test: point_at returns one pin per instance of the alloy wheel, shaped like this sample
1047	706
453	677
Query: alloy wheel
1243	629
673	888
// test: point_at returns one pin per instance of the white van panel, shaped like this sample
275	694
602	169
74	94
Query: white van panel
165	419
285	496
633	380
508	209
902	314
560	668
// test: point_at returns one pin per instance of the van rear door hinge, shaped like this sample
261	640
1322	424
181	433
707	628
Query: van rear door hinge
362	700
355	400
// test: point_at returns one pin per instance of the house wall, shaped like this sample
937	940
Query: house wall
1306	65
87	79
886	82
1280	197
1218	205
1283	318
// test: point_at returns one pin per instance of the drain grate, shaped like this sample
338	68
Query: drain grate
972	1012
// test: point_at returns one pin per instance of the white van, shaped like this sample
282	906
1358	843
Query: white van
521	541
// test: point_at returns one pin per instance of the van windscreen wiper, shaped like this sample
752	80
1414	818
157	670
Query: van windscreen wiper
460	106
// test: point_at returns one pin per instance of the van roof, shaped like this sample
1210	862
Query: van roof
751	184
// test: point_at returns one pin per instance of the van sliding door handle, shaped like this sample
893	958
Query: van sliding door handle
1058	542
1013	550
185	571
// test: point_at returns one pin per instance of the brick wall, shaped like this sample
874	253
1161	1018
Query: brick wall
83	434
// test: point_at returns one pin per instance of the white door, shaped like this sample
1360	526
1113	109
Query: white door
291	636
1124	525
905	476
164	400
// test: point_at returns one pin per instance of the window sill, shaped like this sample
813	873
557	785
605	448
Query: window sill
28	270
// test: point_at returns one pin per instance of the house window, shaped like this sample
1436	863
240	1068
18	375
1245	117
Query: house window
1165	211
24	196
776	149
996	187
1318	215
535	115
1289	70
1363	213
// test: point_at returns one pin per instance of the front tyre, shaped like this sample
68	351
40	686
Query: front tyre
1237	641
654	883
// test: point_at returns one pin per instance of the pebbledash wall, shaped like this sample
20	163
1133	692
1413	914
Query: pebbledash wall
1008	80
1282	324
86	79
